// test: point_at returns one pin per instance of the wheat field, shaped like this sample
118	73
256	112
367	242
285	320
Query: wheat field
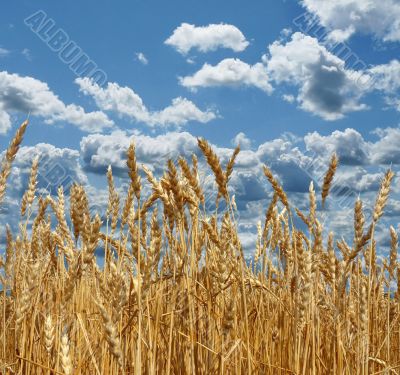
176	294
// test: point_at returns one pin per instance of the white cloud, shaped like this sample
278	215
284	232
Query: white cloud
229	72
180	112
380	18
57	167
393	208
386	77
247	182
349	145
357	179
326	87
352	149
142	58
5	121
27	94
125	102
207	38
242	140
393	103
290	164
288	98
281	149
286	32
340	36
98	151
386	150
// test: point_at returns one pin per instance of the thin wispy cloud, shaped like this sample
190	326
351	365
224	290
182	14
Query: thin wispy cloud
26	52
141	58
4	52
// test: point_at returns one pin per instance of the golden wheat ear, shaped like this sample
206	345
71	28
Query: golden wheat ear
276	186
10	156
131	162
231	163
329	178
383	195
29	195
214	164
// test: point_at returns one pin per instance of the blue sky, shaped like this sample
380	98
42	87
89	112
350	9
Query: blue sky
112	33
255	73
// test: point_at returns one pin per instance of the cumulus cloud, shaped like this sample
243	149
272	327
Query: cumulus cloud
386	76
282	149
340	36
247	182
386	150
125	102
5	121
288	157
98	151
27	94
393	102
380	18
326	87
229	72
352	149
349	145
393	208
358	180
241	140
57	167
207	38
292	166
